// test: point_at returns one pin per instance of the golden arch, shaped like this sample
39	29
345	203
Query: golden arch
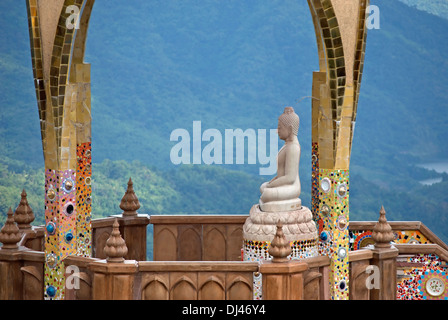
341	37
62	126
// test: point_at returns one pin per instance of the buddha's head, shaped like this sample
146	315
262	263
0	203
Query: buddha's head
288	123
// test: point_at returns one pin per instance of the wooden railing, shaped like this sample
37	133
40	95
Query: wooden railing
398	226
133	230
157	280
215	280
423	249
215	241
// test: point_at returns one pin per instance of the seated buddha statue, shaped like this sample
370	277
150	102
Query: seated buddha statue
283	191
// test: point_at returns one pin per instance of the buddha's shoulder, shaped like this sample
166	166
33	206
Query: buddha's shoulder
290	147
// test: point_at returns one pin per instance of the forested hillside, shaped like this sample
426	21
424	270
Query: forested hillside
160	65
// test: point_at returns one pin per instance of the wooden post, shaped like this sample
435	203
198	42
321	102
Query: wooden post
113	278
133	225
384	258
23	214
282	278
21	270
10	234
129	203
283	281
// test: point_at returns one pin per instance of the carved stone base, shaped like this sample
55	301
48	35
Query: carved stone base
298	227
297	224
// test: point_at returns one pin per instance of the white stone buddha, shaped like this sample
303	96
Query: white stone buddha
283	191
280	203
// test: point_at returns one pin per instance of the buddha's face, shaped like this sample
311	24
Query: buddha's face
283	130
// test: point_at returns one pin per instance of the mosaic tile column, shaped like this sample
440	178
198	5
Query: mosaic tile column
79	91
341	41
84	200
60	236
62	83
334	208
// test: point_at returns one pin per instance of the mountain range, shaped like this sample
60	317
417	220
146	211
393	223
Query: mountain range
158	66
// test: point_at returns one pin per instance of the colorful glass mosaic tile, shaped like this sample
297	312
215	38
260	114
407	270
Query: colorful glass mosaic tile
410	236
361	238
433	285
334	235
258	286
315	183
84	199
409	284
60	220
258	250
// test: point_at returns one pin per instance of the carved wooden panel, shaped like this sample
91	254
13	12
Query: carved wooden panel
214	244
126	284
85	287
189	243
183	286
133	236
165	243
199	238
239	287
312	285
357	285
32	282
10	280
234	242
100	287
211	286
156	287
192	281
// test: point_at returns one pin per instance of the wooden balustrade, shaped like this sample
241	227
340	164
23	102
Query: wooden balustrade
197	280
133	229
160	280
398	226
436	249
198	237
214	241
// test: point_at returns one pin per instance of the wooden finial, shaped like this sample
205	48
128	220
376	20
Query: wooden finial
24	215
10	234
115	248
280	248
382	232
129	203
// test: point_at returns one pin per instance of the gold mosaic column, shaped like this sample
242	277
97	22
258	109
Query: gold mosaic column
341	36
58	30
